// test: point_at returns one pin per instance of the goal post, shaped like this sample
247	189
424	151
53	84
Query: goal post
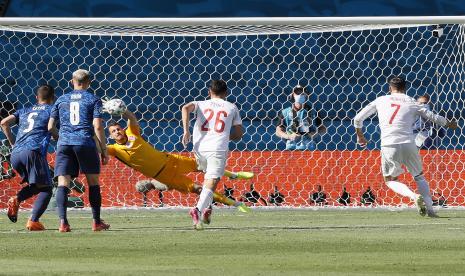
157	64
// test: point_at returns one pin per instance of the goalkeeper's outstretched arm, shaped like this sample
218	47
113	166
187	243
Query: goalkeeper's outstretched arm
132	123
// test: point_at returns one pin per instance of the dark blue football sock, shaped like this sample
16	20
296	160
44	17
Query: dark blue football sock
41	203
27	192
62	202
95	199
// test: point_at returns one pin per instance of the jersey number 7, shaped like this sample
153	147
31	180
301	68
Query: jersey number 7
397	106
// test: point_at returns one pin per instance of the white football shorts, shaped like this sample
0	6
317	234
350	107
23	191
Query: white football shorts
394	156
213	163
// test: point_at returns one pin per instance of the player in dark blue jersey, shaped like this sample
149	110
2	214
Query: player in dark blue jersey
79	113
29	155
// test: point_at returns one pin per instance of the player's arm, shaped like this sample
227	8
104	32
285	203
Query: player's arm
99	131
54	132
6	127
101	139
52	122
237	131
186	110
110	148
436	118
132	124
361	116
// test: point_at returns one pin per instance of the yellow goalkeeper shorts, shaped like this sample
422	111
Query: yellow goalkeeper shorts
174	173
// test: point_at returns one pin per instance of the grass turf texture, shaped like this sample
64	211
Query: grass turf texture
335	242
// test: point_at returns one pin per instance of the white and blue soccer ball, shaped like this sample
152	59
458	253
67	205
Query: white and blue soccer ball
114	106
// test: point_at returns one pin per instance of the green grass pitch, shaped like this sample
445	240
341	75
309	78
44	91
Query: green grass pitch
264	242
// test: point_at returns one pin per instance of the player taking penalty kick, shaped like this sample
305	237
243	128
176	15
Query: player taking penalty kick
217	122
397	113
169	169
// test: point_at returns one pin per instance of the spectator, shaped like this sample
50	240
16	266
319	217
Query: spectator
229	192
344	199
299	123
276	197
253	196
368	198
318	197
439	199
425	133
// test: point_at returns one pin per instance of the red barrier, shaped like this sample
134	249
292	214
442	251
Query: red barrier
296	173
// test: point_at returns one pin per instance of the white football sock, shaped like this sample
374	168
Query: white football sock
205	199
401	189
423	189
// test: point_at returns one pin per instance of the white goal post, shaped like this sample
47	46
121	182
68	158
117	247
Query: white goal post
157	64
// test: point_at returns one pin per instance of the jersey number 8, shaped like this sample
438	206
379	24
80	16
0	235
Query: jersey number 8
74	113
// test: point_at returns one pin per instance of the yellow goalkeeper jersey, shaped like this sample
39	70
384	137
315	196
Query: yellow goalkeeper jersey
138	154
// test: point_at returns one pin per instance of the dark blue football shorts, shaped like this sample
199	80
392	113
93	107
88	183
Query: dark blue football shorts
32	166
71	159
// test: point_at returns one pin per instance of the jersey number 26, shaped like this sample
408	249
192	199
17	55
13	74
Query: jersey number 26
219	123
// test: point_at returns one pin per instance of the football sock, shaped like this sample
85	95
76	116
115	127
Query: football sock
205	199
62	202
401	189
423	189
27	192
41	203
230	174
222	199
95	199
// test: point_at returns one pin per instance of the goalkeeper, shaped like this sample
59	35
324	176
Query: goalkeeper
169	169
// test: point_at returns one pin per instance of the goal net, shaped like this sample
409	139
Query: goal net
157	65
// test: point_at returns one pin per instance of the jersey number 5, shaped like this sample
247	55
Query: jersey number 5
219	123
30	121
397	106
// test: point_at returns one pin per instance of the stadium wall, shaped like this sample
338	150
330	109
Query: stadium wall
297	175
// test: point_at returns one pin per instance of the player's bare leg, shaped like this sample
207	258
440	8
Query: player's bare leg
205	200
217	197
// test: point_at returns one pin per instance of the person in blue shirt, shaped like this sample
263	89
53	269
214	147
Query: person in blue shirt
426	135
79	114
298	124
29	155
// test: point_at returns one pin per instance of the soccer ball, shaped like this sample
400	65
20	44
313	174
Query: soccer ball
115	107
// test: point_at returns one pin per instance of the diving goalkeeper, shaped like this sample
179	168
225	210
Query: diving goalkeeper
169	169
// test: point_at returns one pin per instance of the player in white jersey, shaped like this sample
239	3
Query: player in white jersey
218	121
397	113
